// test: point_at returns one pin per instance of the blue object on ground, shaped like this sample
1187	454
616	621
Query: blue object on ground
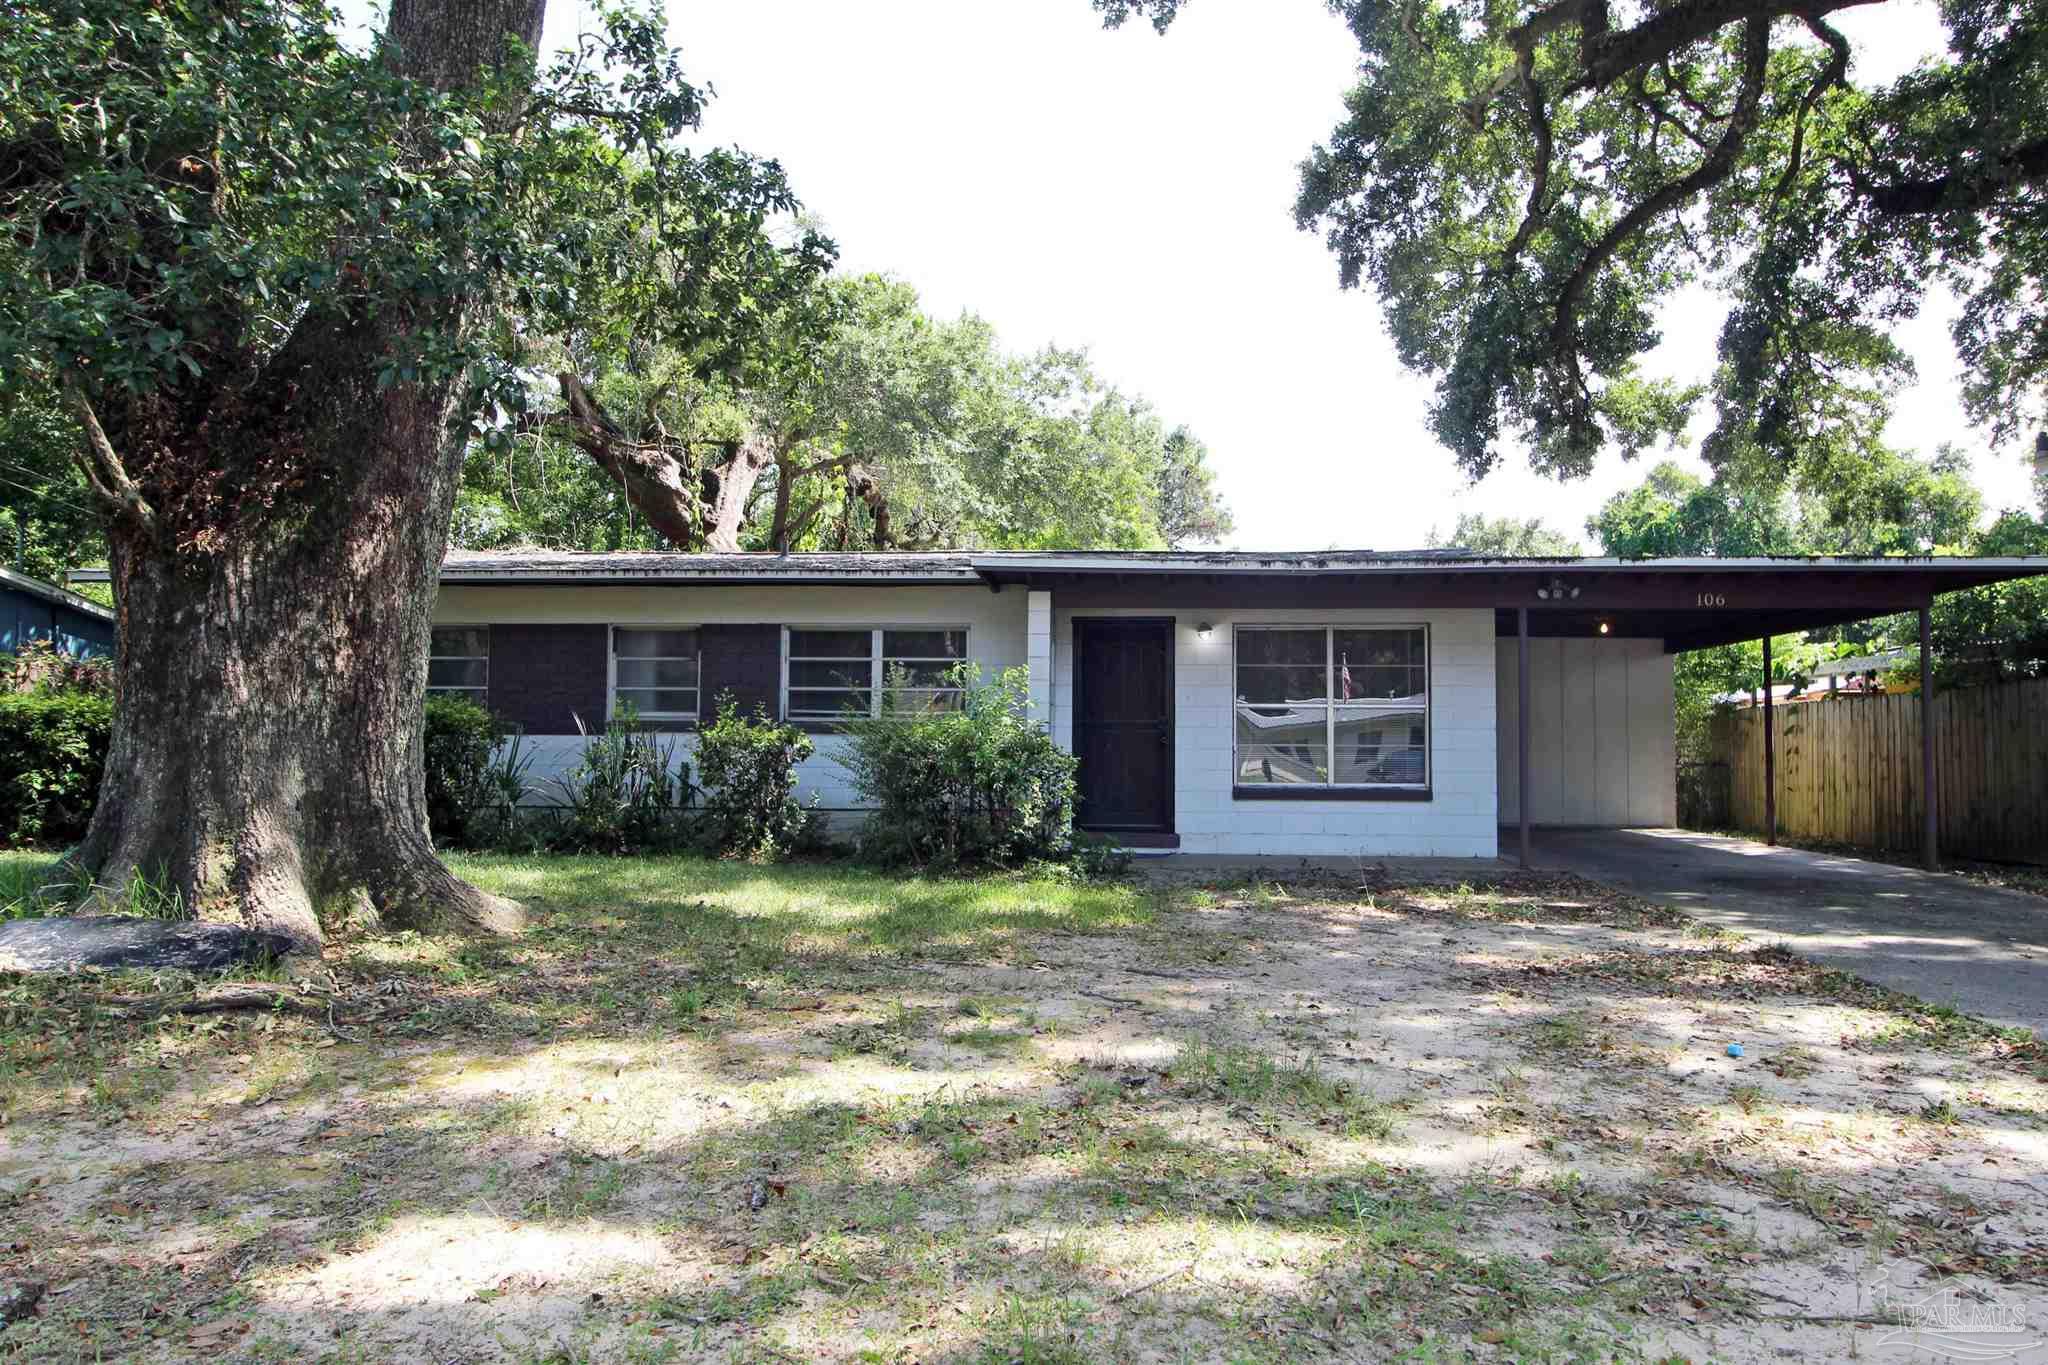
1734	1049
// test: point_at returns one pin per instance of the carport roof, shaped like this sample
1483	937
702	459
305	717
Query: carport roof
1688	603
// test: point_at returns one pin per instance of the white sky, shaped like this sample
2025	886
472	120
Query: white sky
1132	194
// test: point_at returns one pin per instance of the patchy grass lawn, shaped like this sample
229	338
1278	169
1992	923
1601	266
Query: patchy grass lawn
710	1111
24	876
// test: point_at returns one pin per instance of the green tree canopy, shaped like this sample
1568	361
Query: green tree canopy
1189	508
1527	186
861	423
1891	503
1503	537
48	523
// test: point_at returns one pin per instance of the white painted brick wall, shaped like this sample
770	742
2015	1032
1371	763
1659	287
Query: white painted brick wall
820	778
1038	653
1014	627
1459	820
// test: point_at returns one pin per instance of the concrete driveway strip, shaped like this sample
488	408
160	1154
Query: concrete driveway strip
1948	941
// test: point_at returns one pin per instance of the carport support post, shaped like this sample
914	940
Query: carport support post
1932	852
1770	756
1522	729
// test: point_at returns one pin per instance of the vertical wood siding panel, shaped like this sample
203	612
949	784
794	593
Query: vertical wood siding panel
1610	734
1581	714
1547	741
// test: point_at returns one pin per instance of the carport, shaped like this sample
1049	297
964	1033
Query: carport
1614	624
1699	603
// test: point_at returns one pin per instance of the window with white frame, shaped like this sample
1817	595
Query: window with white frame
459	663
655	672
1332	706
830	670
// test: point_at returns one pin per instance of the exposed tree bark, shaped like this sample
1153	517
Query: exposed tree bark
779	536
707	506
727	487
694	507
862	484
654	475
276	540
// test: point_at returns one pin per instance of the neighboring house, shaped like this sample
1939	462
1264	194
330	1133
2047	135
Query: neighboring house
1860	675
31	609
1327	704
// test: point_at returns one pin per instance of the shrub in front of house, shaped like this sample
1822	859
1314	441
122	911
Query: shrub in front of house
628	793
978	782
747	766
460	740
53	752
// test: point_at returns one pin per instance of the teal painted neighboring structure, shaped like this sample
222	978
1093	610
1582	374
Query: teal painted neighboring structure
31	609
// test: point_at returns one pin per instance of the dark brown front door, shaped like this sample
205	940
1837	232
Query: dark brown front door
1123	723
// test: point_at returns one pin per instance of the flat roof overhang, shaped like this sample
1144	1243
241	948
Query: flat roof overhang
1686	603
51	593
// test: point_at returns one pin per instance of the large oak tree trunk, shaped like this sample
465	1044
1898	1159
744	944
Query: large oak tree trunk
265	760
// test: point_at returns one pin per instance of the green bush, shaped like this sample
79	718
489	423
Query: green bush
748	768
498	823
627	794
53	751
460	739
981	784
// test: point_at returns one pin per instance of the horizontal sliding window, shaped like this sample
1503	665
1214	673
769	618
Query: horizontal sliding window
832	671
655	671
1332	707
459	662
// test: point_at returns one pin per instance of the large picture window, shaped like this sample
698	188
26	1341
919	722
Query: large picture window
459	663
1332	706
655	671
835	669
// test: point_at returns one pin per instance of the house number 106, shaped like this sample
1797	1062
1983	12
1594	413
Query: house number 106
1712	599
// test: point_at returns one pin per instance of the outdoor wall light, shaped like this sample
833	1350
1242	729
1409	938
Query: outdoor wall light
1555	591
1604	628
1205	632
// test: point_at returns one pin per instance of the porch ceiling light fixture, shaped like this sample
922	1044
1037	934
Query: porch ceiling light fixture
1205	632
1605	628
1556	590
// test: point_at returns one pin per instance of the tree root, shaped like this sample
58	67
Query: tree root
313	1007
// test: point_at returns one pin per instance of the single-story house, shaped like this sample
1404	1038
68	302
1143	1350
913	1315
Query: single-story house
1321	704
31	610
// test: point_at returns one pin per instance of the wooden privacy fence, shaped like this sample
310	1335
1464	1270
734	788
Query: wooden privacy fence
1849	770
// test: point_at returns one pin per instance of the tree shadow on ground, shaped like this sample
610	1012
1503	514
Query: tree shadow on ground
689	1126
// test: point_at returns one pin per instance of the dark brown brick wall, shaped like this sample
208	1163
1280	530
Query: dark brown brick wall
746	661
543	677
